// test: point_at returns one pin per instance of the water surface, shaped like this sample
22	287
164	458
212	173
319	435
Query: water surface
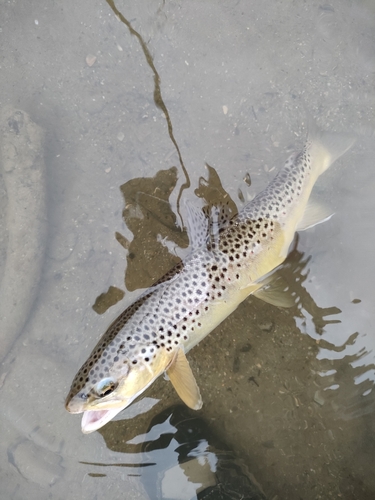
133	105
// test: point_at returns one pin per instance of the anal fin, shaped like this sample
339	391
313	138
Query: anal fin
275	291
315	213
183	380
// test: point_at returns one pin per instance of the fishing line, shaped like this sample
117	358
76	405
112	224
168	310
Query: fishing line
158	99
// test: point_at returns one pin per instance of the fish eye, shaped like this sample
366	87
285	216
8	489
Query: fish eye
105	387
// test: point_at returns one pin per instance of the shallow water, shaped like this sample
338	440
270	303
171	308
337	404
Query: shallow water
175	85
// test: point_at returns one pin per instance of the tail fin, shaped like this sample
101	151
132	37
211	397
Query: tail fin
326	147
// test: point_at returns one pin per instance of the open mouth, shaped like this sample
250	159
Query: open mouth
94	420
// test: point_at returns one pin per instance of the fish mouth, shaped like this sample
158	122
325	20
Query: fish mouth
92	420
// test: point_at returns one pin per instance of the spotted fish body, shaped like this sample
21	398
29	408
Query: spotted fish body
153	335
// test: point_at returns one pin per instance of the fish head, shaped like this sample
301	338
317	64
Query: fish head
111	379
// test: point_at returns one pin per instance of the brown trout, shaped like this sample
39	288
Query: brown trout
226	265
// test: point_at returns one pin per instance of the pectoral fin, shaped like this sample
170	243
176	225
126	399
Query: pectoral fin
183	381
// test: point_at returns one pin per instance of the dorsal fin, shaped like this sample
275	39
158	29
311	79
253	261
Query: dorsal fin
198	225
218	216
204	224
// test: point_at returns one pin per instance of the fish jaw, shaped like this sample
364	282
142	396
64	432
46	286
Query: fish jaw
92	420
99	411
95	417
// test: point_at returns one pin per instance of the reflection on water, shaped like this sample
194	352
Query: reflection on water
185	460
295	272
149	216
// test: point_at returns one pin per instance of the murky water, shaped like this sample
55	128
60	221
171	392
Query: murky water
132	107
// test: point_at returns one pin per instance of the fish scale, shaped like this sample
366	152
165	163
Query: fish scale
227	264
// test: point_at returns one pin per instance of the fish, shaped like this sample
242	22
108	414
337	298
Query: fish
231	258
